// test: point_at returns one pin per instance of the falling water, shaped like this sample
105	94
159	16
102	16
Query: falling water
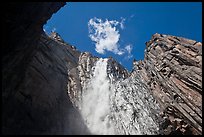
96	103
123	107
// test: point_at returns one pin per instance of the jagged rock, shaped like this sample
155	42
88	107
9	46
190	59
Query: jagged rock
172	69
56	36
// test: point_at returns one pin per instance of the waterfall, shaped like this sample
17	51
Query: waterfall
96	102
122	107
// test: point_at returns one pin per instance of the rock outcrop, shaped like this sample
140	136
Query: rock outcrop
172	70
49	87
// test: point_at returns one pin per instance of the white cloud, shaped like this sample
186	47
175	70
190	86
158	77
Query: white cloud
129	50
106	35
122	23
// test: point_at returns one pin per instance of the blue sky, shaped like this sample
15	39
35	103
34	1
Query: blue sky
120	29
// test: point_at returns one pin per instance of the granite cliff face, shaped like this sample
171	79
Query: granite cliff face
49	87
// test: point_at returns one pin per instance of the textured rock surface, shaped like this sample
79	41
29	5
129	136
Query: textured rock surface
23	24
41	103
135	109
172	69
34	82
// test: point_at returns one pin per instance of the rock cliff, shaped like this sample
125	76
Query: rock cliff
172	70
49	87
34	80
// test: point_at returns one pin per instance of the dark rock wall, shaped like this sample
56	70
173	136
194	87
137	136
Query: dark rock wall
34	68
22	27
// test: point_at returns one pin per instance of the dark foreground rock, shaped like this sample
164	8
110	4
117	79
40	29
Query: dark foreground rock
34	68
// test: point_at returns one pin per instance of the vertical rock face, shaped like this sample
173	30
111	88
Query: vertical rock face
41	103
22	27
49	87
34	80
172	69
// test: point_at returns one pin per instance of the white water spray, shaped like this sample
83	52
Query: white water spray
96	102
121	107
